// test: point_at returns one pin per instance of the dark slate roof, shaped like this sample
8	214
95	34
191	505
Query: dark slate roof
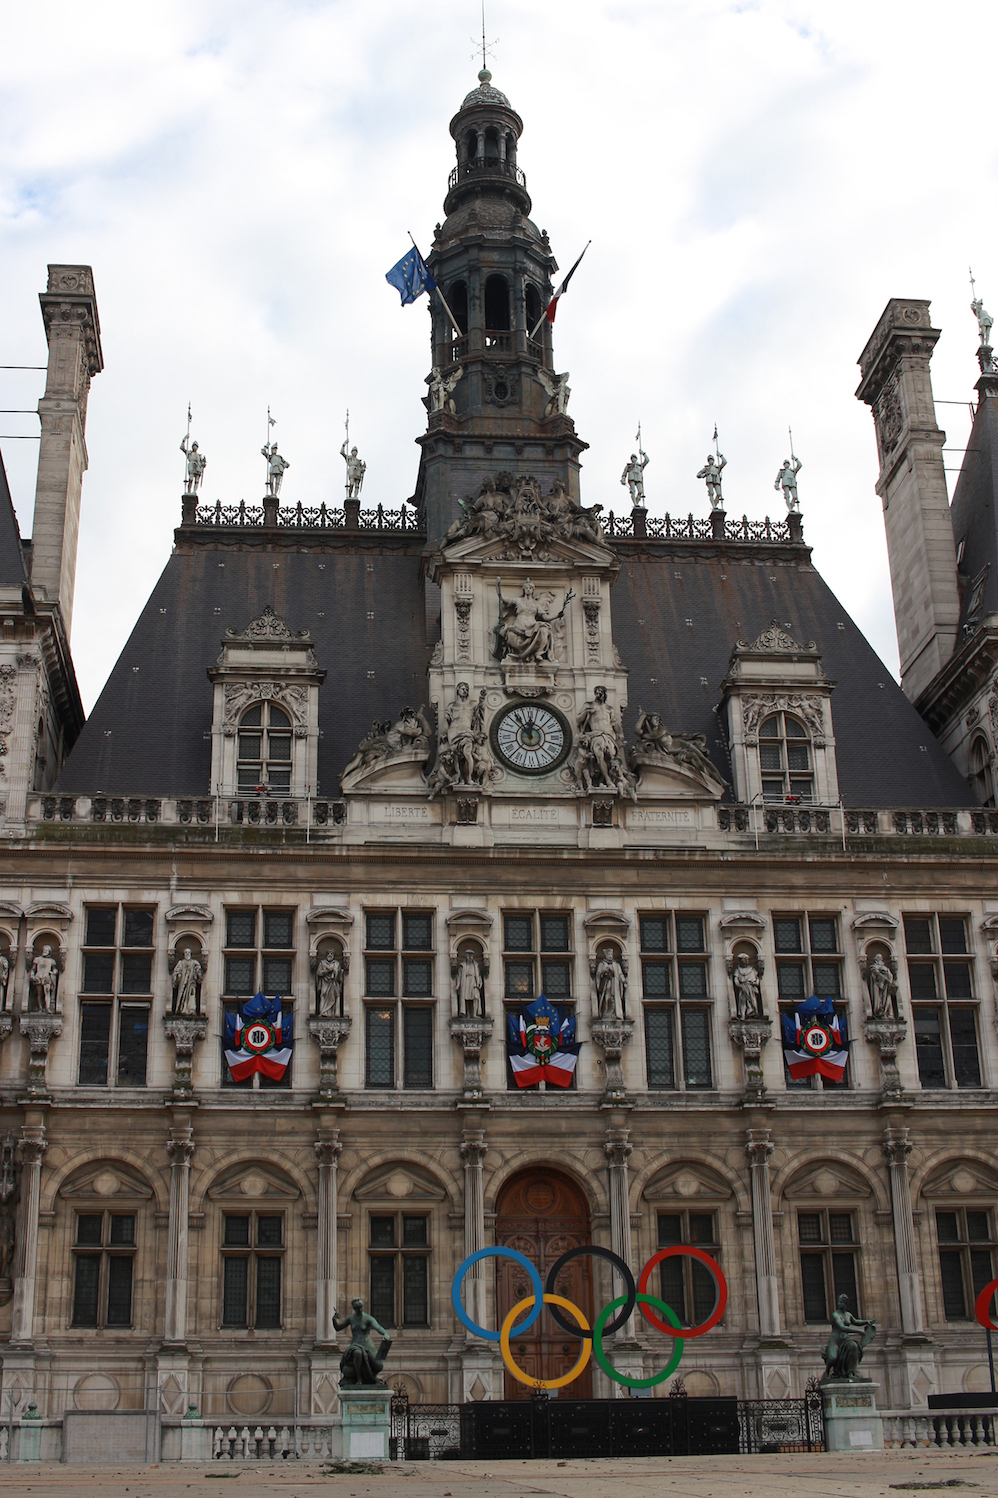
974	510
878	734
12	569
149	733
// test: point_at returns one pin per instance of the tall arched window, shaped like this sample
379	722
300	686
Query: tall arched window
471	145
491	144
457	295
981	778
534	308
785	759
496	305
264	752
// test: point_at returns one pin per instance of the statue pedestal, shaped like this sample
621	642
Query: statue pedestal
851	1419
366	1415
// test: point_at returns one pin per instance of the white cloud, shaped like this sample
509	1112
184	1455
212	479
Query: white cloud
757	179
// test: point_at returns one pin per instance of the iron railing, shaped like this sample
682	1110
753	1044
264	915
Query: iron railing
486	167
312	517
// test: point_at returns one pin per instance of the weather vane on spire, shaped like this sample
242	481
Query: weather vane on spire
486	46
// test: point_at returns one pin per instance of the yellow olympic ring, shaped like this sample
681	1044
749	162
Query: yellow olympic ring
507	1356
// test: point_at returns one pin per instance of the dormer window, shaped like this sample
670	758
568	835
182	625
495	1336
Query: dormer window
264	751
785	759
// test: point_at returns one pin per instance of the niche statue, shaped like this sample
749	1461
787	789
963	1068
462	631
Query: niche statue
361	1364
850	1337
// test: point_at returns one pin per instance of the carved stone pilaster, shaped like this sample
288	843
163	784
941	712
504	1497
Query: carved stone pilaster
180	1153
617	1148
6	1026
612	1035
329	1032
327	1150
888	1034
750	1035
897	1147
41	1028
472	1032
33	1148
758	1149
186	1031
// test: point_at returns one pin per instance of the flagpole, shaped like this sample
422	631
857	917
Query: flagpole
346	449
439	293
564	283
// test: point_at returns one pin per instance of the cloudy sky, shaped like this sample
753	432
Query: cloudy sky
757	180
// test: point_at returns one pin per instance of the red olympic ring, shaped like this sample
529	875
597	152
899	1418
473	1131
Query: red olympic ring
720	1283
981	1306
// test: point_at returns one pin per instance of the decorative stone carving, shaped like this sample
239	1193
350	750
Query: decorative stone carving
442	384
238	695
887	1034
750	1035
7	676
745	969
525	632
5	993
43	978
186	1031
774	640
40	1029
599	757
463	755
757	707
329	1032
471	1032
469	968
590	609
266	627
8	1178
329	969
655	748
514	511
462	613
608	970
405	741
612	1035
880	976
557	389
186	979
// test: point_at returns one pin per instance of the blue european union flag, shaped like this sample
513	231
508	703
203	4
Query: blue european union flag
410	276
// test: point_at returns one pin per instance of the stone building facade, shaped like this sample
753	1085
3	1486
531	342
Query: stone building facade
599	742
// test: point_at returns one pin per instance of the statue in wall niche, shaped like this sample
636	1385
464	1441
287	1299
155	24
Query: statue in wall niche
711	474
463	756
786	480
410	731
746	980
558	392
6	1245
469	985
187	976
356	469
276	467
882	986
525	630
43	978
634	476
196	465
361	1363
654	742
850	1337
4	979
598	759
441	386
329	971
611	984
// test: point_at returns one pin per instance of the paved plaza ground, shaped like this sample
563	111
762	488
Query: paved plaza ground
891	1475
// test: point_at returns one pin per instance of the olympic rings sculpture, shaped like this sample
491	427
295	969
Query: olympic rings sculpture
982	1304
591	1337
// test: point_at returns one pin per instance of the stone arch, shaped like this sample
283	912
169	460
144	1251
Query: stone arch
77	1170
821	1177
354	1179
593	1189
714	1171
219	1173
942	1174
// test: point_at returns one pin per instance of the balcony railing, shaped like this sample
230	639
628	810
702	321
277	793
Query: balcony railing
693	528
318	517
485	167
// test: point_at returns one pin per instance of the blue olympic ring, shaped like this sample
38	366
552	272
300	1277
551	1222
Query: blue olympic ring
496	1253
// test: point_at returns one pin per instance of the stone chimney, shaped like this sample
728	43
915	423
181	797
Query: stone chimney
69	310
897	386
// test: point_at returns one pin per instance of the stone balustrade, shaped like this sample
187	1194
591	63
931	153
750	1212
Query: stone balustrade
954	1427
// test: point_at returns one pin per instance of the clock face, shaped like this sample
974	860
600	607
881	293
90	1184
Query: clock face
530	738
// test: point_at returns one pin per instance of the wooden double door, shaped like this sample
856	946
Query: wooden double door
542	1215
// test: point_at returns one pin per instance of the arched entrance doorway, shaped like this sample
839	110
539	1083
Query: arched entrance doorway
543	1214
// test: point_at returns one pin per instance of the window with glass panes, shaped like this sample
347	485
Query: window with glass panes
399	1261
264	748
943	1011
828	1262
785	759
676	1005
103	1268
537	959
808	961
116	995
398	965
966	1258
252	1258
685	1284
259	958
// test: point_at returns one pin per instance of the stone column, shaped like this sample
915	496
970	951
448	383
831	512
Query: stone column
473	1152
897	1149
759	1148
180	1151
33	1147
617	1150
327	1152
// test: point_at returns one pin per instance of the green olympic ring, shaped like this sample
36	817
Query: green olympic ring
603	1360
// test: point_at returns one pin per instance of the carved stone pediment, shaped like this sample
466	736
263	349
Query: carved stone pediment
990	926
775	640
328	915
742	919
470	920
393	756
686	1180
9	910
511	520
198	914
400	1180
49	910
874	920
961	1178
250	1181
607	920
267	628
110	1179
827	1179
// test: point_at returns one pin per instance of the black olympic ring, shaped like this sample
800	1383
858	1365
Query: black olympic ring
590	1251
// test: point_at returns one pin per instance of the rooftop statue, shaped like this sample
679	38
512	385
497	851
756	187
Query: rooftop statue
441	388
276	466
524	630
361	1363
985	321
711	473
843	1353
356	470
786	480
558	392
634	476
196	465
654	744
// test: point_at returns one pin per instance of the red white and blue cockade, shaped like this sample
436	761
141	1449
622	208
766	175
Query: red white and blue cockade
258	1039
541	1045
814	1041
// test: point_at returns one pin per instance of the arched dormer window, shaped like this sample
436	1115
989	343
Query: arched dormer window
786	759
457	295
981	778
497	305
264	751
